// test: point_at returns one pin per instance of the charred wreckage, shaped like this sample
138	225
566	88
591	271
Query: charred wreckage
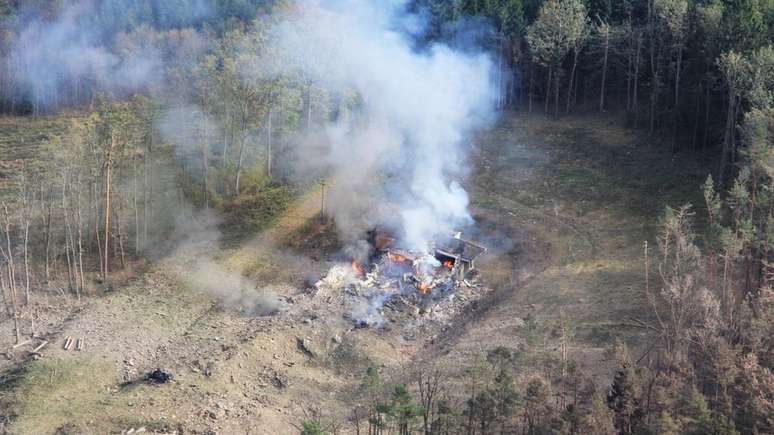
392	277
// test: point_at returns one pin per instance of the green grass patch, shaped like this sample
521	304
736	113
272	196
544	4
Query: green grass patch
255	210
63	393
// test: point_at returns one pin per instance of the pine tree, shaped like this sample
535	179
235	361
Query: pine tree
311	427
666	425
623	400
402	410
696	415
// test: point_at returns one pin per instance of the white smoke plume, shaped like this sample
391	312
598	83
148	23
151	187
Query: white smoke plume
397	161
195	234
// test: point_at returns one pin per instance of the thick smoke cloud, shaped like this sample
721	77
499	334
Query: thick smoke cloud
396	158
192	262
80	47
397	161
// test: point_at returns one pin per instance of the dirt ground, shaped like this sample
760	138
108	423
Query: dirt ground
564	206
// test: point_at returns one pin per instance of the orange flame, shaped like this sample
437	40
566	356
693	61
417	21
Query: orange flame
357	268
397	258
448	264
423	288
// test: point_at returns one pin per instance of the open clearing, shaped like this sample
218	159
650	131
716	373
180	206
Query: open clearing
564	205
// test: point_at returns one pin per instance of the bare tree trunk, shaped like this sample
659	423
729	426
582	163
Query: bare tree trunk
14	308
26	225
676	117
695	133
604	72
47	235
309	107
119	233
96	227
578	81
70	235
557	78
512	99
428	383
136	211
572	80
735	116
268	145
629	73
706	113
242	139
80	235
531	81
677	77
6	302
147	188
71	277
500	73
635	98
653	102
11	269
205	162
727	136
322	201
108	169
25	216
548	88
655	60
9	259
225	138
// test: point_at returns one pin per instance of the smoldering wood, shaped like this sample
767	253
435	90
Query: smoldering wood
408	281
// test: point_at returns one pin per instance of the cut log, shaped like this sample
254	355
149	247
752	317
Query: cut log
79	344
68	343
40	346
20	344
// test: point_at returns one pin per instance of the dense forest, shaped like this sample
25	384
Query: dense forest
180	104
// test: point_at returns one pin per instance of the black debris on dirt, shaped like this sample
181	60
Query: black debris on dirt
159	376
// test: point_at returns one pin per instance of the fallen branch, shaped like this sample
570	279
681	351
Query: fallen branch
40	346
20	344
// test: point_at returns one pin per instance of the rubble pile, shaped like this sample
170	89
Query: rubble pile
399	284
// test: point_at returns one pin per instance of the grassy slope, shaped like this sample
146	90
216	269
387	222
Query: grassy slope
592	192
578	196
27	138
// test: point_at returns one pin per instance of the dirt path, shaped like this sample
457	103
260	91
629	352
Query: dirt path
262	258
307	207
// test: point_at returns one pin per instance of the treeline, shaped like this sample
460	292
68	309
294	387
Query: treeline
684	70
64	54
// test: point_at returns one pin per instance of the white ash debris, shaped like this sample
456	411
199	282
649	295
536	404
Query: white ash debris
396	287
337	276
367	309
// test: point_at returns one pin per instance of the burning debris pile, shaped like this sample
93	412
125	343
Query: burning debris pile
403	280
